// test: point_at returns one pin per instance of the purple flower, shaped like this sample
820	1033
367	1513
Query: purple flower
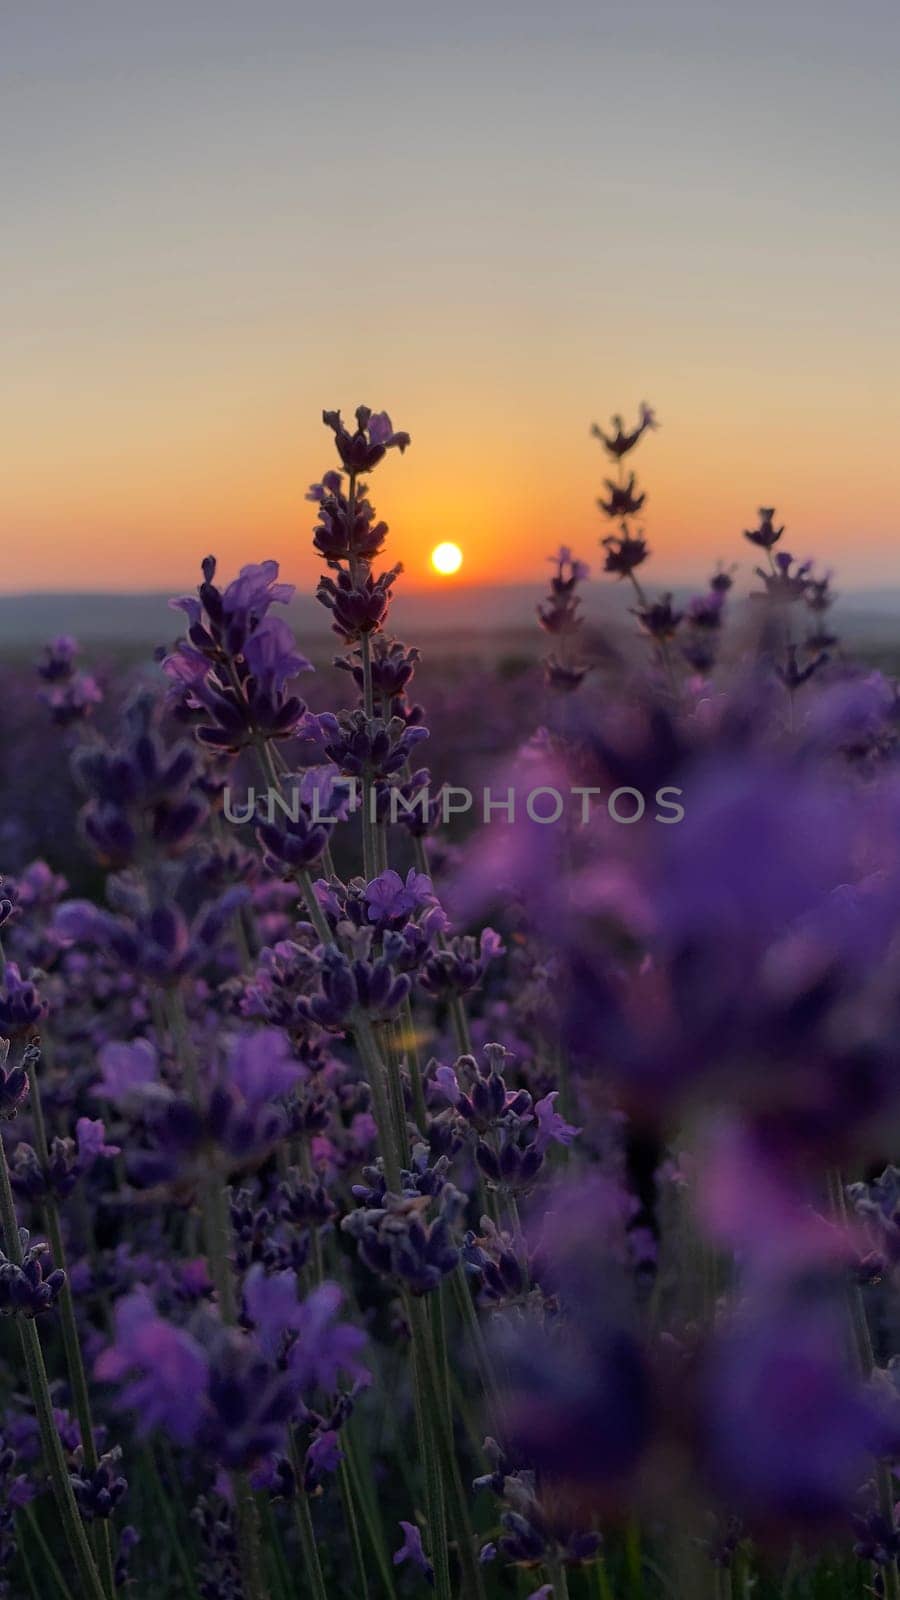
319	1348
140	793
158	942
448	1083
373	986
790	1430
270	1302
290	837
14	1085
248	597
374	435
325	792
624	553
127	1070
768	1219
24	1291
272	655
358	606
766	535
91	1138
21	1007
411	1550
460	966
552	1128
390	899
324	1455
577	1391
262	1067
232	669
71	694
168	1369
618	442
623	500
58	658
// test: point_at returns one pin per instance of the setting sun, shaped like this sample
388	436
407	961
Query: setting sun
446	559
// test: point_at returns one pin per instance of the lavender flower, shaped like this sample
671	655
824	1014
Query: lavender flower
411	1550
362	450
24	1291
231	673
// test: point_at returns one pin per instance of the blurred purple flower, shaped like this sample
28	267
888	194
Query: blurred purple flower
261	1066
318	1347
552	1128
411	1550
790	1431
126	1070
167	1368
91	1138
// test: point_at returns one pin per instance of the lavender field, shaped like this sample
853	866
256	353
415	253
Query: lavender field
449	1104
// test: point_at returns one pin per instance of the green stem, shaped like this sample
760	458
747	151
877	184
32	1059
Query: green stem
460	1026
70	1517
390	1056
633	1559
26	1565
369	847
560	1581
305	1526
306	1168
365	650
441	1357
353	1529
248	1538
435	1508
167	1515
377	1078
217	1237
604	1587
50	1559
278	1578
479	1344
411	1050
314	910
370	1520
101	1535
442	1433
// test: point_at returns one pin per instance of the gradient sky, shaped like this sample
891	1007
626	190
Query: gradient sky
499	222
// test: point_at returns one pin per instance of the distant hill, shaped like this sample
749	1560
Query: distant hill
141	621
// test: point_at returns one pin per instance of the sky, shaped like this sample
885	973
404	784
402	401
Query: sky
499	222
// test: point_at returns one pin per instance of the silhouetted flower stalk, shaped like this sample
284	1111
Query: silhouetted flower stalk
628	550
559	616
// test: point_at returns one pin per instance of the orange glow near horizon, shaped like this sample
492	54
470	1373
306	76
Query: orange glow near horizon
97	504
200	268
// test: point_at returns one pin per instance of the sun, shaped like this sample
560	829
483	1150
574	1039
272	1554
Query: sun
446	559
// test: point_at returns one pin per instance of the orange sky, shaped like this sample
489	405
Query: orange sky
209	248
